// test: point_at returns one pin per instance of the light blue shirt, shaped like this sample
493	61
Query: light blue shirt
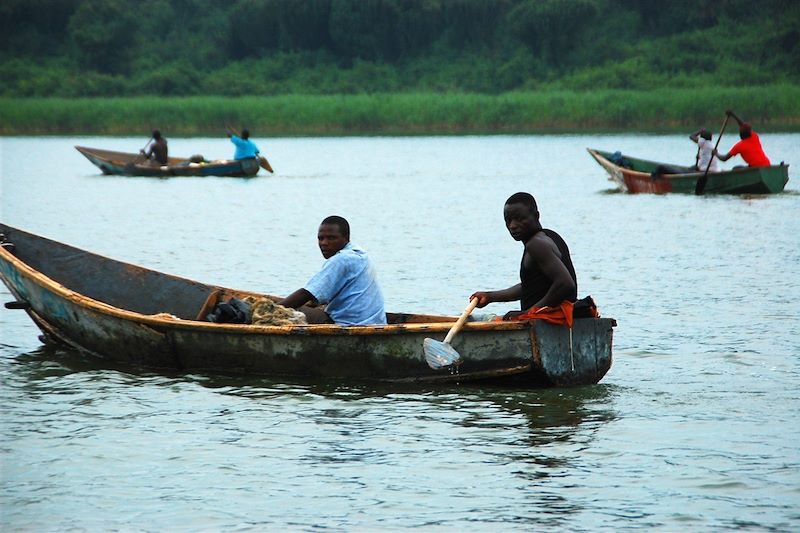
348	284
245	148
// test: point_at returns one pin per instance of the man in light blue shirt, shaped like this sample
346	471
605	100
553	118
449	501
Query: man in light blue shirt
245	148
347	282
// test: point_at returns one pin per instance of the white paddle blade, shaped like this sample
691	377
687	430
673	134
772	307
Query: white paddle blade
439	354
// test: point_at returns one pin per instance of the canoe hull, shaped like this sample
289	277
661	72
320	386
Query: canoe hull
524	354
127	164
639	178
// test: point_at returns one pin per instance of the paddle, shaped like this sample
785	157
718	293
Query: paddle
144	149
439	354
264	163
139	157
700	187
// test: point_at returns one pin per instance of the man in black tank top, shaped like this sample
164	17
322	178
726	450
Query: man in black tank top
547	276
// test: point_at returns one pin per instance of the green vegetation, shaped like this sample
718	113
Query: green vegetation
404	65
770	108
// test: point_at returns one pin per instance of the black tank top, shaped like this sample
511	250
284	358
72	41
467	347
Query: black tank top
535	283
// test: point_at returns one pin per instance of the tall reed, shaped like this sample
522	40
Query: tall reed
768	108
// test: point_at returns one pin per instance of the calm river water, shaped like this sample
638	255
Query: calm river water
694	428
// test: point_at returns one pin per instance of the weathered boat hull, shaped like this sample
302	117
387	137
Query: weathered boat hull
639	179
93	320
127	164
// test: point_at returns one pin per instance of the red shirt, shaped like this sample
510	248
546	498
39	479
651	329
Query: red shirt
751	151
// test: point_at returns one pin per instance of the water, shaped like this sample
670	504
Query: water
694	428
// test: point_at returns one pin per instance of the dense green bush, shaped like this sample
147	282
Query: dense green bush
70	48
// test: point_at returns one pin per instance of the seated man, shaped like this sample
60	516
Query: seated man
705	149
245	148
347	282
749	147
157	153
547	276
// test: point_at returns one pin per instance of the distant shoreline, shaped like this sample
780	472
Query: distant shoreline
769	108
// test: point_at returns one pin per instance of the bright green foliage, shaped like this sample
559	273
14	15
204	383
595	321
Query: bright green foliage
771	108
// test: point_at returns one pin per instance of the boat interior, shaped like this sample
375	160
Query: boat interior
132	287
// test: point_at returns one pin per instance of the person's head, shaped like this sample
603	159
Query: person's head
245	133
705	134
745	130
156	134
521	216
333	235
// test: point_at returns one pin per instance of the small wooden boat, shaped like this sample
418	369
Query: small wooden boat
126	313
640	175
127	164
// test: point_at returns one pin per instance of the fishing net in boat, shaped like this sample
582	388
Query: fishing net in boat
265	312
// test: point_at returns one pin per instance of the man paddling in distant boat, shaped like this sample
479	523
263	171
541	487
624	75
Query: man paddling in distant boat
245	148
156	154
347	282
547	277
749	147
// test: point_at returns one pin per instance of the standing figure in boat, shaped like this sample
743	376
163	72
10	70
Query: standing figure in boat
749	147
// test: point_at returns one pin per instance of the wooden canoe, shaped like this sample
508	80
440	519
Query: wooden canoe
126	313
127	164
636	176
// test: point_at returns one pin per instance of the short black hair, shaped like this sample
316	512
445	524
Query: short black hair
245	133
525	199
705	134
156	134
336	220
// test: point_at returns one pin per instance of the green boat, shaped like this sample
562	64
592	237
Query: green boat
636	175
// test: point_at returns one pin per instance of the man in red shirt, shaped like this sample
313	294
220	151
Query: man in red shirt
749	147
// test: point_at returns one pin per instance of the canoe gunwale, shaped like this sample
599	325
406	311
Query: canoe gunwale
306	329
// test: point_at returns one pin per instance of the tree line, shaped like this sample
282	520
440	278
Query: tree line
70	48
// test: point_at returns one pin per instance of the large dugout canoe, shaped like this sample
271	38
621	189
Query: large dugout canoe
126	313
127	164
636	176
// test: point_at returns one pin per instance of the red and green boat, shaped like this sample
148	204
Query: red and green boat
636	175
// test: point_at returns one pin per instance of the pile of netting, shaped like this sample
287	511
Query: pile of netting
265	312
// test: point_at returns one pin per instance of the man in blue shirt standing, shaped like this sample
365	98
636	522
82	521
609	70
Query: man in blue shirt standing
245	148
347	282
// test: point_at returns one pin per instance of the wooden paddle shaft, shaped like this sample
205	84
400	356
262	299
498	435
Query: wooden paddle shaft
719	138
460	322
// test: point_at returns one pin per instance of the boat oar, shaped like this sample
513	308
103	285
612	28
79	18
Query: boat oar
129	167
264	163
141	152
700	186
439	354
